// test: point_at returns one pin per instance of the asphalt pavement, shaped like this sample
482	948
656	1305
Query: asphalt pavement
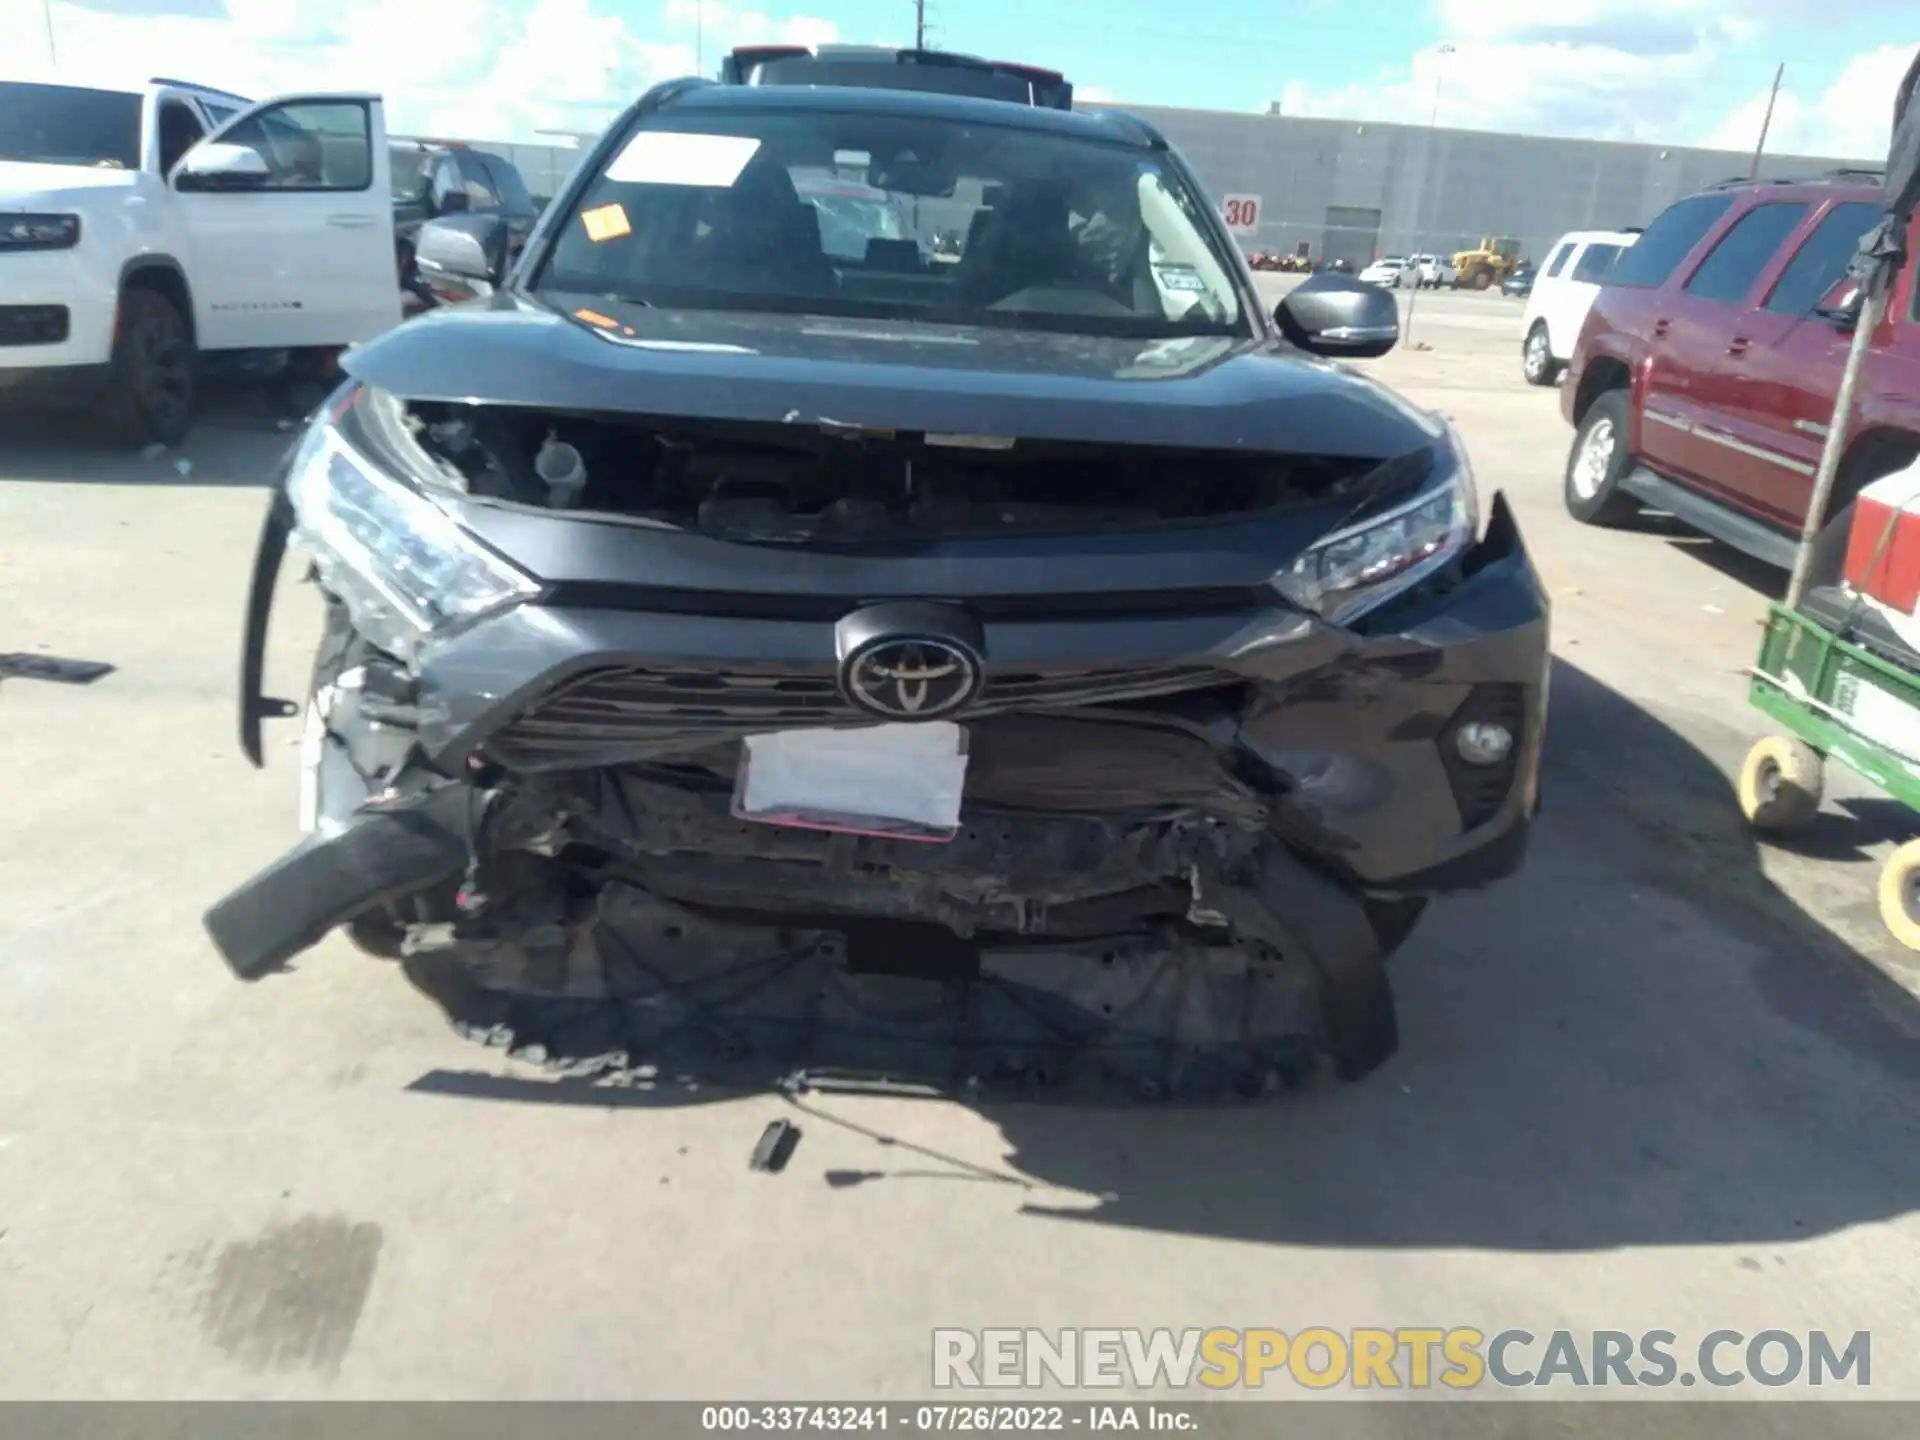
1667	1079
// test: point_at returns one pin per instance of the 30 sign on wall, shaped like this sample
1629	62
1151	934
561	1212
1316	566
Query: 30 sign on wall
1241	212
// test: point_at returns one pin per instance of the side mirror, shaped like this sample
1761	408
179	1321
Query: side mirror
1340	317
465	247
212	165
1842	304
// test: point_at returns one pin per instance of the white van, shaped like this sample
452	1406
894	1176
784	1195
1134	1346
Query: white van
1563	292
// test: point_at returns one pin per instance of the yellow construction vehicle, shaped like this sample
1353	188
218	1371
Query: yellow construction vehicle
1488	263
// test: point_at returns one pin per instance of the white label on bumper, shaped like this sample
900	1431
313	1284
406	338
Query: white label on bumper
901	781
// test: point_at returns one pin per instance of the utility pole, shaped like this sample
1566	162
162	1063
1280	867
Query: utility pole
919	24
1766	123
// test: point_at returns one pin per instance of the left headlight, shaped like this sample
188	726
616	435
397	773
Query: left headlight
39	232
404	568
1359	568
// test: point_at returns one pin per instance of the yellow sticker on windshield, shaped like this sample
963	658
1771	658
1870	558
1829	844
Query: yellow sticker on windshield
607	222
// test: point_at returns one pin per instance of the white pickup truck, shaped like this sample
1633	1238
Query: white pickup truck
143	227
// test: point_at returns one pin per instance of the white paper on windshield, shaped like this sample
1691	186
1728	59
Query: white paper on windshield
666	157
900	781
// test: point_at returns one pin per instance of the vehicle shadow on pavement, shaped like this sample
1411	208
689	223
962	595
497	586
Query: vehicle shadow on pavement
242	432
1738	566
1638	1041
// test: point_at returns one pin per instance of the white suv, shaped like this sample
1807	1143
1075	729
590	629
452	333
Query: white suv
142	226
1562	294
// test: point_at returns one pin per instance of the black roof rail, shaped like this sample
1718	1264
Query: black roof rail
203	89
668	91
1843	175
1142	131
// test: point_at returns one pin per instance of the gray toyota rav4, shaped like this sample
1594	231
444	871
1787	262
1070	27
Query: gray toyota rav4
974	668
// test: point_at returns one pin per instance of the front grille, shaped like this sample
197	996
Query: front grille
33	324
600	708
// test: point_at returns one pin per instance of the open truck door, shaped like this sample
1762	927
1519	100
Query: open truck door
289	212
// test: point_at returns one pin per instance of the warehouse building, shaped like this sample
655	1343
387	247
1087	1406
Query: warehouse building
1359	189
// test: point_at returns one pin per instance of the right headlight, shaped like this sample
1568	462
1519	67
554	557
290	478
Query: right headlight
1342	576
403	567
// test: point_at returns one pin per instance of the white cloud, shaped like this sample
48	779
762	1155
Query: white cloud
1631	70
487	69
1851	118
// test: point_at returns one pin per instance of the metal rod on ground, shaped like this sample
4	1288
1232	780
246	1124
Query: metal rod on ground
1766	121
1433	121
1871	314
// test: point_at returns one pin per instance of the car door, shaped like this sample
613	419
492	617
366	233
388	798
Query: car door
301	255
1575	294
1793	363
1540	300
1712	343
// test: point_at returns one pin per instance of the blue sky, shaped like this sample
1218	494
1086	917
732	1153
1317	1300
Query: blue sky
1677	71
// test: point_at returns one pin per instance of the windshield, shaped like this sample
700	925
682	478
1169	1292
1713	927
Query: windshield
897	217
68	125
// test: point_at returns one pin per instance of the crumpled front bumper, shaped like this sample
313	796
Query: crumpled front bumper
1353	729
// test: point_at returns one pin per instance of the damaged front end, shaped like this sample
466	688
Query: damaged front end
1209	745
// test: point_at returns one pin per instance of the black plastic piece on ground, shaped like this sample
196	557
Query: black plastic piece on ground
776	1145
52	667
326	880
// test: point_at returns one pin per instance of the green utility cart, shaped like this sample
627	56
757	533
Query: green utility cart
1838	698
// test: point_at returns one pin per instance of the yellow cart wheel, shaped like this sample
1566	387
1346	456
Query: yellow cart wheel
1900	894
1781	783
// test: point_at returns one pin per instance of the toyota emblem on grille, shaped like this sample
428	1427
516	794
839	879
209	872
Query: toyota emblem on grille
912	679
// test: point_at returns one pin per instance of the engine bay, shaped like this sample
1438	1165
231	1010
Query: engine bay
799	483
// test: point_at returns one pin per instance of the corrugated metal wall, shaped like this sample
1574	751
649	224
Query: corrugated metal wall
1361	189
1435	190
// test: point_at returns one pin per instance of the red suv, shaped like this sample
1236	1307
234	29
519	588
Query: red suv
1704	377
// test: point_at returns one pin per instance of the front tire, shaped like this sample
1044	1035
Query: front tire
1598	460
1481	279
1536	356
1900	895
1781	784
152	385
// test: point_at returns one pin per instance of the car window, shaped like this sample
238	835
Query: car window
409	175
310	144
1669	240
508	185
1596	261
219	114
69	125
1822	258
835	213
1736	260
482	198
1557	261
180	131
446	181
